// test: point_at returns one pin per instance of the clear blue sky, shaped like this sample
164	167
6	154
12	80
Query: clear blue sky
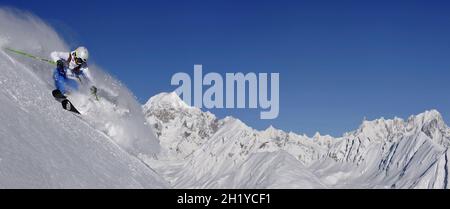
339	61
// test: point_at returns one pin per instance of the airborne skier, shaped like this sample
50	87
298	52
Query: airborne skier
72	70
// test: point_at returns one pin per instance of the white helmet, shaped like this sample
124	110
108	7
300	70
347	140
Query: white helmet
81	55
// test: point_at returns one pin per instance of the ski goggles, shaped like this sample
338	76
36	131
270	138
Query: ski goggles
79	60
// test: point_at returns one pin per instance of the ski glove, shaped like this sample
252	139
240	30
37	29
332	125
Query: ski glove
60	66
94	90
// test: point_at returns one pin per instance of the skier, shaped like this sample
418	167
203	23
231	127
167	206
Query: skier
71	70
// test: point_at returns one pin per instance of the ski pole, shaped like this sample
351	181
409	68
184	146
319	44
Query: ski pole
94	92
44	60
31	56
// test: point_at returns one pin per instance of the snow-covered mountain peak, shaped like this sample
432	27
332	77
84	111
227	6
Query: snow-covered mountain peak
384	130
377	129
235	122
430	114
427	117
432	124
377	123
272	131
317	135
181	129
167	100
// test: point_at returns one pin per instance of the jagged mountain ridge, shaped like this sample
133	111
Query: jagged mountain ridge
379	154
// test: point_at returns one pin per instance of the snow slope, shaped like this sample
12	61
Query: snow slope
43	146
202	151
